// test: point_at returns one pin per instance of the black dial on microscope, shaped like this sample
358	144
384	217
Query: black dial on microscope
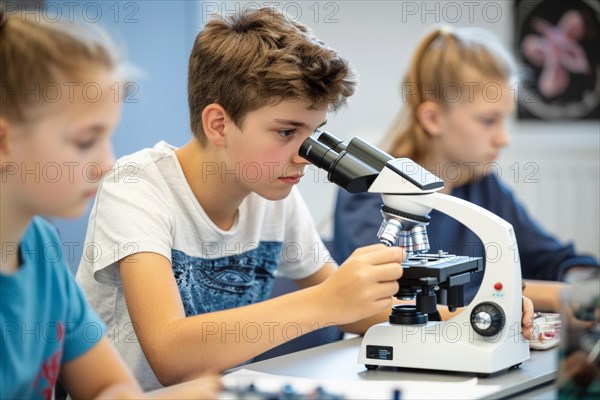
487	319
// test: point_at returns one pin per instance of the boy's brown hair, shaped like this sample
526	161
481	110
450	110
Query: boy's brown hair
248	60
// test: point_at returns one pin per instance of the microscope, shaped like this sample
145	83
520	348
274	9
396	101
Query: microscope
486	336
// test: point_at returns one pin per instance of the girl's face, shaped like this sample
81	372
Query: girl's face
56	159
473	131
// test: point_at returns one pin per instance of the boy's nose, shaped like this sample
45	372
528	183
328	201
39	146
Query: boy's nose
502	138
297	159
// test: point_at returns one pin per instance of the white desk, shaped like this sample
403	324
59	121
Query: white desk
337	362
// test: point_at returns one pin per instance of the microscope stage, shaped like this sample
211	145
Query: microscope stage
440	266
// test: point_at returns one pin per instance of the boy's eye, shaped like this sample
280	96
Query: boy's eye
286	132
489	121
86	144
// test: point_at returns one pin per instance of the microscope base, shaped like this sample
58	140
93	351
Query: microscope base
445	346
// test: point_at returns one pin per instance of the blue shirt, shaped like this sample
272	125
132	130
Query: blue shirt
208	285
45	320
358	218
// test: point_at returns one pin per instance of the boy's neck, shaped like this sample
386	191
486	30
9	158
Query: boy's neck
220	199
12	230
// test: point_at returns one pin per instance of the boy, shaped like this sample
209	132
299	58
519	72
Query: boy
183	244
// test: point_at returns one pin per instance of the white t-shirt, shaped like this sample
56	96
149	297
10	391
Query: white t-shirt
146	205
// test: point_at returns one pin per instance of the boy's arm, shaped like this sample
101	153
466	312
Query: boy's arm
100	374
357	327
205	388
544	294
97	371
179	348
360	327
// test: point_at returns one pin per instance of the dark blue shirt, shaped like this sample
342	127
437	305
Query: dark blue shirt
543	257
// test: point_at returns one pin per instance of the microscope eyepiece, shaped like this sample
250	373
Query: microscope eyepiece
343	169
318	153
332	141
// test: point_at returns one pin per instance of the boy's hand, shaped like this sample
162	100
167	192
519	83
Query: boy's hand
527	320
363	285
206	387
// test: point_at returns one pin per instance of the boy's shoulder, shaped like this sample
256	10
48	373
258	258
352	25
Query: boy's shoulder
144	158
152	166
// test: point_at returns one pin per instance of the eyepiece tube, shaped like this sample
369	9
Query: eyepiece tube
343	169
368	153
332	141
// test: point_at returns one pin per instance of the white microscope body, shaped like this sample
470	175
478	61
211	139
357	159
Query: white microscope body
455	344
486	336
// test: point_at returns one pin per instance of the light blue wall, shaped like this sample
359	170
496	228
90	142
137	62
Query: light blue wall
158	36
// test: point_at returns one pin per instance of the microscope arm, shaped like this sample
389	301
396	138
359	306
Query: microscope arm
502	264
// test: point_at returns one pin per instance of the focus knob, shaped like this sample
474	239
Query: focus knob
487	319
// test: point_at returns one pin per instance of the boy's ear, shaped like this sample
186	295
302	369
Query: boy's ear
214	119
4	137
429	117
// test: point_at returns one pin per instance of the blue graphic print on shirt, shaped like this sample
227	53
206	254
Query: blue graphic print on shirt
216	284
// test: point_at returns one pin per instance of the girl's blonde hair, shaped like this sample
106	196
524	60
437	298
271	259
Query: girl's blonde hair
442	61
36	53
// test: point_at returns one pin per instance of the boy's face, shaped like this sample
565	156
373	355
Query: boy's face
263	152
61	155
474	131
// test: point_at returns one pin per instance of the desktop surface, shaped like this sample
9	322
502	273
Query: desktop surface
338	362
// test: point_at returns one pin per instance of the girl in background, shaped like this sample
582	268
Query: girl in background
456	100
